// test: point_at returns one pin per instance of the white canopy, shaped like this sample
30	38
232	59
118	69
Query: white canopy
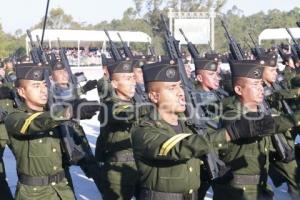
89	36
278	34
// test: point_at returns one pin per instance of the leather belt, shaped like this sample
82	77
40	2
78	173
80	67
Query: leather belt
247	179
146	194
42	180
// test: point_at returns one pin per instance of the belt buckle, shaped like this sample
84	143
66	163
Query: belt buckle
52	179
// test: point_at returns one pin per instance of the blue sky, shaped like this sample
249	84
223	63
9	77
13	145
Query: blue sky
23	14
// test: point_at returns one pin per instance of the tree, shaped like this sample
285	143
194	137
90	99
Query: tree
58	19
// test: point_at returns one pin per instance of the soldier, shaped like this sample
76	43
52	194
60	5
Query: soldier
35	140
248	158
281	170
166	150
105	90
6	106
113	148
139	95
208	77
68	93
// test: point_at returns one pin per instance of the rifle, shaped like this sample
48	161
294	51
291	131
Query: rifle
258	50
151	49
42	54
115	53
126	48
191	47
296	45
283	150
234	47
34	50
195	119
77	149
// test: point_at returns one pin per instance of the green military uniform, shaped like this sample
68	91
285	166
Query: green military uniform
249	159
7	106
281	170
118	173
168	157
249	162
36	145
165	167
71	94
208	99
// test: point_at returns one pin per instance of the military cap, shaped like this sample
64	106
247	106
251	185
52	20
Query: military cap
106	61
161	72
213	56
270	59
58	66
124	66
247	68
30	71
205	64
151	59
138	62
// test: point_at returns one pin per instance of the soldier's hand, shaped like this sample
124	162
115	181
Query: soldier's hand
84	109
91	84
265	126
251	125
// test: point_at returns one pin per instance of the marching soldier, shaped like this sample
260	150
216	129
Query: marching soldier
248	158
166	150
67	93
113	148
35	140
281	170
6	106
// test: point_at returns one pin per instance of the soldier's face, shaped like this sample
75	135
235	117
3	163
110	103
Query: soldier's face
124	85
270	74
138	72
34	93
188	70
209	80
168	96
251	91
60	77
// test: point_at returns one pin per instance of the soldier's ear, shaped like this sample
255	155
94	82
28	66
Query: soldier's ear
153	96
199	77
21	92
238	90
114	84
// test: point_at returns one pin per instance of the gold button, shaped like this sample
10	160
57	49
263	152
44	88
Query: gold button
53	183
34	189
51	133
220	145
201	162
55	168
190	191
54	150
191	169
40	140
266	149
7	104
244	188
67	182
